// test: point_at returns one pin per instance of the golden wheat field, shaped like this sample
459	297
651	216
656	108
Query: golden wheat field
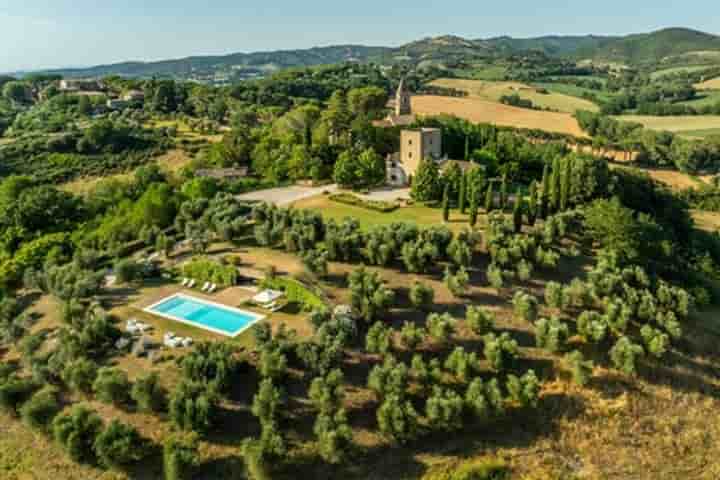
483	111
492	91
712	84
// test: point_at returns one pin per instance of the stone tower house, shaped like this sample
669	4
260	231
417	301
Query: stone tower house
415	145
402	100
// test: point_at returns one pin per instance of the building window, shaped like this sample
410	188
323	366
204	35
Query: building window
409	142
393	178
409	154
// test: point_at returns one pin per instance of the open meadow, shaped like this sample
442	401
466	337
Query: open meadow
493	91
682	125
711	84
483	111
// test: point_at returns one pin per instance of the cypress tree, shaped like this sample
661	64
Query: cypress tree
462	194
467	147
544	195
446	203
555	181
503	193
565	185
473	208
518	211
489	199
532	208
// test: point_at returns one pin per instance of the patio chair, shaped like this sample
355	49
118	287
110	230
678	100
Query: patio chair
191	284
212	288
205	287
185	281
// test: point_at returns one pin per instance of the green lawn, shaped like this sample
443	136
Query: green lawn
666	71
483	72
420	214
702	133
704	98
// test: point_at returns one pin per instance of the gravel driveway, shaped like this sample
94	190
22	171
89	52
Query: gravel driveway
286	195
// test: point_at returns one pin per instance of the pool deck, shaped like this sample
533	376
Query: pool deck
230	297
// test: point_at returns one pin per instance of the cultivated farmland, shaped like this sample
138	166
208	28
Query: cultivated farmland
677	124
483	111
712	84
492	91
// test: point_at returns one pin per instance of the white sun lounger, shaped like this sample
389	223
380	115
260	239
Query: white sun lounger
212	288
191	284
205	287
185	282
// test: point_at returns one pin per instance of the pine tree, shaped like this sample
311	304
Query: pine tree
503	193
462	194
473	208
518	211
544	195
532	207
446	203
489	199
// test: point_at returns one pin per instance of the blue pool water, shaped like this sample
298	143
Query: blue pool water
224	320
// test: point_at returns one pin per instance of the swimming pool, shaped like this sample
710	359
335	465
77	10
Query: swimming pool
199	313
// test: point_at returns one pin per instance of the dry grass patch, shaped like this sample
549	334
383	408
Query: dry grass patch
674	179
708	221
493	91
482	111
712	84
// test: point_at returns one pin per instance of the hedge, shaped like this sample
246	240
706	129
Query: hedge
295	292
206	270
377	205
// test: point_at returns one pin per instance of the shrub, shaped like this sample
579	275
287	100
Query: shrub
457	283
421	296
441	327
655	340
480	320
500	351
148	394
80	374
526	306
354	200
462	364
481	469
334	436
444	409
397	419
476	401
205	270
525	390
592	326
370	298
552	334
76	431
112	386
378	339
180	456
624	355
43	406
119	444
581	369
412	335
15	391
554	295
295	292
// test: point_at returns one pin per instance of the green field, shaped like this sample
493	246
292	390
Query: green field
678	124
709	132
483	72
573	90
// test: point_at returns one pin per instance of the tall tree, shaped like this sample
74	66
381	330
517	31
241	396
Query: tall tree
503	193
518	211
426	185
555	185
565	183
489	199
473	208
545	193
532	207
462	193
446	203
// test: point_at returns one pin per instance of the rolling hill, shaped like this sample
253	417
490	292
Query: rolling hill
633	49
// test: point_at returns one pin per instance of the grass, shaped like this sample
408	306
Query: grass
493	91
420	214
575	91
482	111
708	221
183	131
483	72
676	180
677	124
708	132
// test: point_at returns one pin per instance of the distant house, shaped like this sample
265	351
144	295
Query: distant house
223	173
134	96
80	85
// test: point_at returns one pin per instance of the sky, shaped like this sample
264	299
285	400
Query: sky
38	34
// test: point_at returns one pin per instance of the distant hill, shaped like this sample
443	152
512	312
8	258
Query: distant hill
632	49
652	47
258	62
553	45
